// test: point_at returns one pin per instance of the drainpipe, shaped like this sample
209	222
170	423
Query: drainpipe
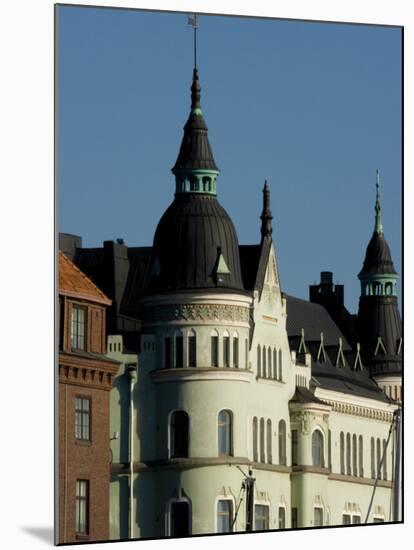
396	503
131	370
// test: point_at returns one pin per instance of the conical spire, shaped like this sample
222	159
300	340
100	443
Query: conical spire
378	224
266	216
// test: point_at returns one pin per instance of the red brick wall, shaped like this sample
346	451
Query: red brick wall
82	460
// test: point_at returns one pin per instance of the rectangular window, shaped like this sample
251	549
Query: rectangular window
214	351
346	519
329	450
317	517
192	360
282	517
294	447
294	518
261	517
179	351
235	352
83	418
356	519
77	335
167	352
180	519
224	516
82	506
226	351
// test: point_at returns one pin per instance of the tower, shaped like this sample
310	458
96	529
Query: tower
379	322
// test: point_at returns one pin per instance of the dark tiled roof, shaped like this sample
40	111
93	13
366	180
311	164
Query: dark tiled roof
377	257
303	395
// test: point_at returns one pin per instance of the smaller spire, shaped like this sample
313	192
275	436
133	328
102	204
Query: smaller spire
378	224
266	216
195	92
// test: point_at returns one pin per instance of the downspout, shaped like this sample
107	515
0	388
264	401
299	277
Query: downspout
396	499
131	370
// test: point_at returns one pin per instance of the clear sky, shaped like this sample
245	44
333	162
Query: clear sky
315	108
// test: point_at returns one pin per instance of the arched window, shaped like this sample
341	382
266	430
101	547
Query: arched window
259	361
354	455
214	348
167	352
388	289
361	456
179	434
192	349
264	373
329	449
317	449
348	454
282	443
193	184
179	524
280	365
342	451
226	349
274	363
179	345
255	457
269	363
378	457
372	458
377	289
262	440
206	184
225	433
269	441
295	447
384	463
235	350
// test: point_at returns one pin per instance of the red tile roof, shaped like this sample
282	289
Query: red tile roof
74	283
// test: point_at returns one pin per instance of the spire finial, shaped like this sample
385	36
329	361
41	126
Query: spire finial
195	86
266	216
193	22
378	224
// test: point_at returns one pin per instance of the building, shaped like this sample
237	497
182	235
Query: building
85	380
240	391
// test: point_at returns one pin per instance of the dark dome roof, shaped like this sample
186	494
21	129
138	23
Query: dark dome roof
193	233
377	257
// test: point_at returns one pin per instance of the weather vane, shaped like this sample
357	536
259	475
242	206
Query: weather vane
193	22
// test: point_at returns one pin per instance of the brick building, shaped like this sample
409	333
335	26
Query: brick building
85	379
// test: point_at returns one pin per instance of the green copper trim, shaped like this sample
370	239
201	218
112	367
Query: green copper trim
196	111
378	223
379	284
196	181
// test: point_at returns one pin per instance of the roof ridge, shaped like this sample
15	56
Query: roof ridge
83	275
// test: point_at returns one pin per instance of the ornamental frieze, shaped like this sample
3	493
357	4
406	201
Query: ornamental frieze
355	410
196	312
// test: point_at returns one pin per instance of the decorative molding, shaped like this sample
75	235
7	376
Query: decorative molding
359	480
202	373
358	410
196	312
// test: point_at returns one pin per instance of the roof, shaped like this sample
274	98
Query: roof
73	282
377	257
303	395
195	151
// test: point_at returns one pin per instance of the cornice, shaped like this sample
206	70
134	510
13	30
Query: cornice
201	373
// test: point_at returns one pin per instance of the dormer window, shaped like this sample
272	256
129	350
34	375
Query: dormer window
77	335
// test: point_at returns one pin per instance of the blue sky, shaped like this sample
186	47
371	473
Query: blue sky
314	108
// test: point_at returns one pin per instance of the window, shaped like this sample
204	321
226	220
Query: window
167	352
226	350
235	351
269	363
224	516
372	458
378	520
82	507
275	364
318	517
192	347
280	366
255	457
269	441
346	519
83	418
342	451
180	519
317	449
179	434
282	517
261	517
246	353
206	184
225	435
294	520
384	463
294	447
179	351
354	455
361	456
214	350
77	335
262	440
282	442
259	359
264	373
356	519
379	458
329	449
348	454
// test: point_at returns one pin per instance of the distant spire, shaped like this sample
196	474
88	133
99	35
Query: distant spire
266	216
378	224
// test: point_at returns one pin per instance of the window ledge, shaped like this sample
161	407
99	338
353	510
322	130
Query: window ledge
202	373
83	442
